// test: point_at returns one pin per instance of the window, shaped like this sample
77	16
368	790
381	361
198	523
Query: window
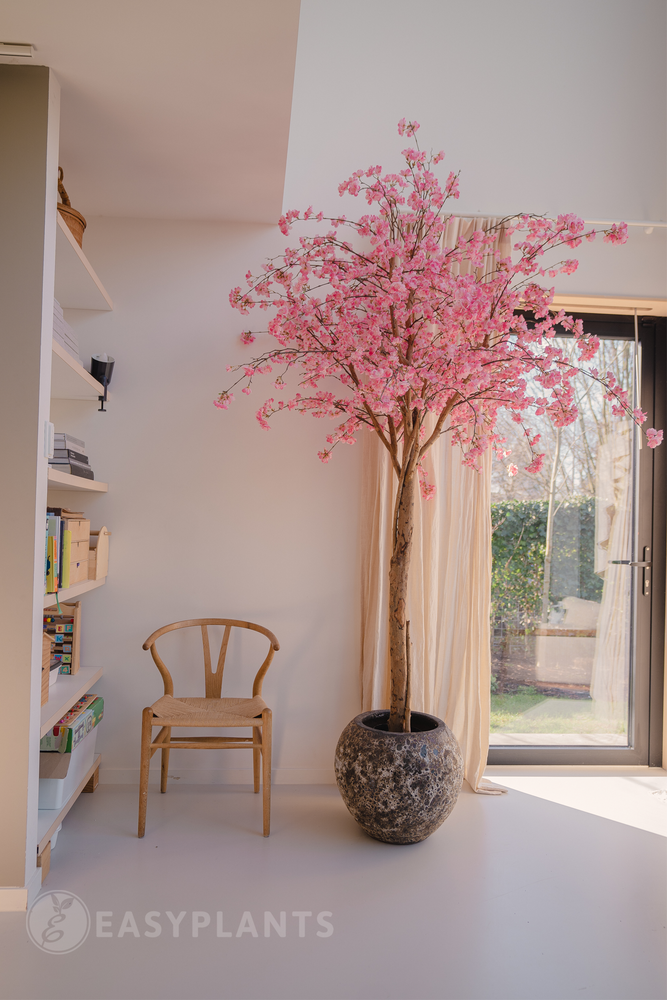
577	624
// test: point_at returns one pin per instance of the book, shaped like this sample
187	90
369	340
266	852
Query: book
63	332
66	558
67	453
71	350
62	440
67	461
51	586
73	469
53	541
46	553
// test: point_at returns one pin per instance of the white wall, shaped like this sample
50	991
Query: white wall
546	106
210	515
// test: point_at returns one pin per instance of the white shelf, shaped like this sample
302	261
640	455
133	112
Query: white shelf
71	592
77	285
69	379
63	482
48	820
66	692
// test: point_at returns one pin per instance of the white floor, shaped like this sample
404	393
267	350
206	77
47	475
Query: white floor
555	890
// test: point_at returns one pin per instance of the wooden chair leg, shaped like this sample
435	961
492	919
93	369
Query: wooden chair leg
146	739
266	770
256	755
165	762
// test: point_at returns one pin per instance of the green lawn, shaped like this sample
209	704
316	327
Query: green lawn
528	711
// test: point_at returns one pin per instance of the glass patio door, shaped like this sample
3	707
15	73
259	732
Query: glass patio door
574	622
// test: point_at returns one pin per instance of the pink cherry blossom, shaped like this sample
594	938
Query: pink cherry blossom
406	334
618	233
391	332
536	464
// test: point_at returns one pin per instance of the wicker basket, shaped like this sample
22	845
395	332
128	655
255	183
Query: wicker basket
75	221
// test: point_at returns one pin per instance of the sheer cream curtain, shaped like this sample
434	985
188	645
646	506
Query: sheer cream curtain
450	579
611	665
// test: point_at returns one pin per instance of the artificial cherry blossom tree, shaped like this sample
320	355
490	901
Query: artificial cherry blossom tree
417	349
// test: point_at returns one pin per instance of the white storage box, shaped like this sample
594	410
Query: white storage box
61	773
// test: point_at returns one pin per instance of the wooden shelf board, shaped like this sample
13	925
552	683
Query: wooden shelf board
77	285
69	379
48	820
66	692
71	592
74	484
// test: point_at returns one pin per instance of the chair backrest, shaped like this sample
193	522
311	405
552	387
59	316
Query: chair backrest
212	677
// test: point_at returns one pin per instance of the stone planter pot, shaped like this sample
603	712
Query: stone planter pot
400	787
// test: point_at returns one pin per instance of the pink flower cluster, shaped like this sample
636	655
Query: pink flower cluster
380	309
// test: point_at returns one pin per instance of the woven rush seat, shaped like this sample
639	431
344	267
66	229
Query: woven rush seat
210	711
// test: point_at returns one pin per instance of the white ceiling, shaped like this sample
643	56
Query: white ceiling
169	109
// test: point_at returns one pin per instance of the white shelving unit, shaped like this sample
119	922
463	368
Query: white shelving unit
66	692
76	287
69	379
48	820
64	483
74	591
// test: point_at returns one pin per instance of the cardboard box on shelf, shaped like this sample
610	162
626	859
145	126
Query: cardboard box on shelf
80	528
98	554
78	568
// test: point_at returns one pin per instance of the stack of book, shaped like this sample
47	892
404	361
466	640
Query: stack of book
66	552
69	455
63	332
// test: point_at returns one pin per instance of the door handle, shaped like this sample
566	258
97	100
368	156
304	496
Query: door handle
645	565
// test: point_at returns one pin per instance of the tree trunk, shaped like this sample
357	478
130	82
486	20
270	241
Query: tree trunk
398	595
548	548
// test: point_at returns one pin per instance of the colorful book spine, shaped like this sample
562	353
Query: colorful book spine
67	559
46	554
53	542
50	563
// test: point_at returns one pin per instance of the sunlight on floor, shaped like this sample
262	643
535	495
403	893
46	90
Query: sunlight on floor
634	796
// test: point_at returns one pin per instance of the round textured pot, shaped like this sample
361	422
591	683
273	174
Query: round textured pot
400	787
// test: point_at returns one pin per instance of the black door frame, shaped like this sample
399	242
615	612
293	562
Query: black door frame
647	683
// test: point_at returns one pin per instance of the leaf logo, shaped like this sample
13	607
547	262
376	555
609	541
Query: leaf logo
58	922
